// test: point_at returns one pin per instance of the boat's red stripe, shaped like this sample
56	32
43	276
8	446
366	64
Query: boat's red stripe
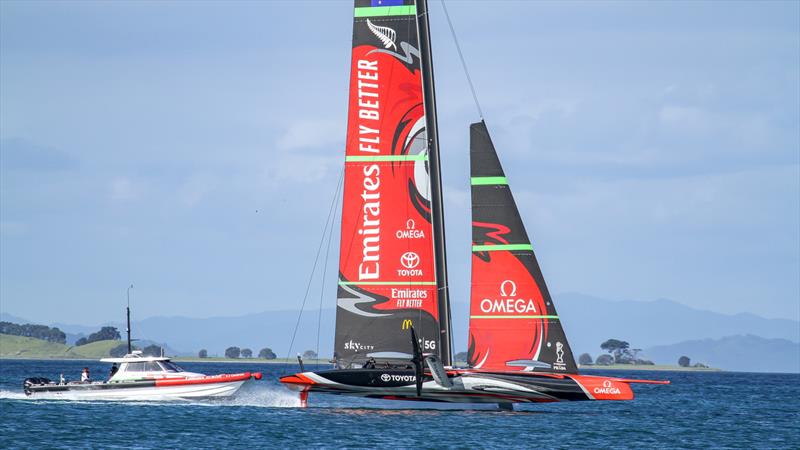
224	378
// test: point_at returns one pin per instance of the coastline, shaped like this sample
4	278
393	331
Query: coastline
191	359
653	368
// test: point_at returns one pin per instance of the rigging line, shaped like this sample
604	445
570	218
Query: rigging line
327	252
463	62
313	270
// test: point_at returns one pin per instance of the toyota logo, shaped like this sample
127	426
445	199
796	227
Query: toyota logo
409	260
386	377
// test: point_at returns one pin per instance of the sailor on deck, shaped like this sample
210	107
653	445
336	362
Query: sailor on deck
85	378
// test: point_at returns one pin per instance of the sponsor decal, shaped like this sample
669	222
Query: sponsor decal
387	377
368	143
386	35
410	261
409	297
357	346
508	302
410	232
559	364
607	389
407	323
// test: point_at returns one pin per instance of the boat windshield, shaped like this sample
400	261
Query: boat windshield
168	366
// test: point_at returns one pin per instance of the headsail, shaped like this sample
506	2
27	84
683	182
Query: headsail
387	266
513	322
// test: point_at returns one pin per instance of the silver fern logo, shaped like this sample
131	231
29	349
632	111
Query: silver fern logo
385	34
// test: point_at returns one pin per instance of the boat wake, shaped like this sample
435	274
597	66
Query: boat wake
11	395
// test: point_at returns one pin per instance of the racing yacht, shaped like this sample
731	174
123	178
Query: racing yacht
393	336
142	378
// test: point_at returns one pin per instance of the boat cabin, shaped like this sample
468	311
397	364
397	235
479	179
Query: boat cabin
135	366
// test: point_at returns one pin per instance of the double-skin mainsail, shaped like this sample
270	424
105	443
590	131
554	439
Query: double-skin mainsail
392	267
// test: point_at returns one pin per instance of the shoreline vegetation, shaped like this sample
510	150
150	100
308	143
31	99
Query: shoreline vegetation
18	347
649	367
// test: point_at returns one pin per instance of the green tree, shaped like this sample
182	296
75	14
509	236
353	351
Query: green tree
585	359
203	353
604	360
309	354
617	348
34	331
152	350
105	334
461	356
267	353
684	361
247	353
232	352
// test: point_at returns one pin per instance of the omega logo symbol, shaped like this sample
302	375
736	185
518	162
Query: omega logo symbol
513	288
410	224
607	384
409	260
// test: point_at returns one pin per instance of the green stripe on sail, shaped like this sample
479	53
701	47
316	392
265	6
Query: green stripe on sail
513	317
492	248
382	158
373	11
488	181
388	283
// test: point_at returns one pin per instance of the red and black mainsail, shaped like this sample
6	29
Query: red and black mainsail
391	268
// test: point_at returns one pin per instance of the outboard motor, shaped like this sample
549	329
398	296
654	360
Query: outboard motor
34	381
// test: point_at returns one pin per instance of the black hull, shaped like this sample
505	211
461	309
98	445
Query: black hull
468	386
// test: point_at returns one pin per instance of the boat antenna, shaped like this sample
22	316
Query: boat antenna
129	318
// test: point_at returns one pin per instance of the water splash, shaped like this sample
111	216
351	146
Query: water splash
265	396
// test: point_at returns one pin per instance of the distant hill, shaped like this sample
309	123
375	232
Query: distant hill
5	317
587	320
25	347
746	353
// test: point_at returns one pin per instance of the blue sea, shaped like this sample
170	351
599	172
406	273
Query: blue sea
699	409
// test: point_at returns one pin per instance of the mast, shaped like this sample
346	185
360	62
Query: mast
128	329
437	204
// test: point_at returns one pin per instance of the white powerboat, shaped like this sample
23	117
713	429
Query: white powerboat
142	378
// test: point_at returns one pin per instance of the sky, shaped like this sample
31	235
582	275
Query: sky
193	148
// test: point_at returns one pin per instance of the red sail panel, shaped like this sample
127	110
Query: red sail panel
387	279
513	321
507	311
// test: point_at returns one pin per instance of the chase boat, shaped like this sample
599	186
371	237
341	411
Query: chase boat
142	378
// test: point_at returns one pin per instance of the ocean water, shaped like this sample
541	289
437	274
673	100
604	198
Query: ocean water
699	409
